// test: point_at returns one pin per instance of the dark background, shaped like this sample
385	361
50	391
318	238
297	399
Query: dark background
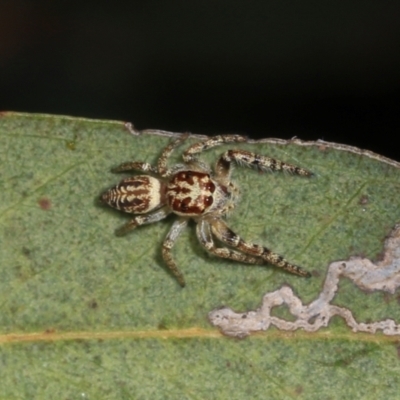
311	69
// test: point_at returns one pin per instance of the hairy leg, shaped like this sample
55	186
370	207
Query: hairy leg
204	235
258	161
135	166
163	160
190	154
142	220
223	167
226	235
169	242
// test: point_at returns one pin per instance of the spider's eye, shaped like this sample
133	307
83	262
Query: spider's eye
208	201
210	186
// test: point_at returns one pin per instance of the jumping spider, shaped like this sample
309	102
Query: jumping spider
192	191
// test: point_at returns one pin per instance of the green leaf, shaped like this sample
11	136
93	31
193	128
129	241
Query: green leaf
86	314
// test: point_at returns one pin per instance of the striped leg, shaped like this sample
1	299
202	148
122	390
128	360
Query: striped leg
226	235
203	231
263	163
163	160
169	242
241	157
190	154
142	220
135	166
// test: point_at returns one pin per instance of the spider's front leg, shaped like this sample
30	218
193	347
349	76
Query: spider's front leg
226	235
258	161
203	231
224	165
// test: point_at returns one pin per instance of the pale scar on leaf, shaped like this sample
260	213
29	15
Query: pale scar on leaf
383	275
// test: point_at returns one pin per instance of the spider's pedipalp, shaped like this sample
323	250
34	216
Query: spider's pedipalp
142	220
176	229
226	235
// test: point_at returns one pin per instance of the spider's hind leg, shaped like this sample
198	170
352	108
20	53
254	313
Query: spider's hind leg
172	236
226	235
142	220
135	166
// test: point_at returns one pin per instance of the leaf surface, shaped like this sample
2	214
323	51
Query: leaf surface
86	314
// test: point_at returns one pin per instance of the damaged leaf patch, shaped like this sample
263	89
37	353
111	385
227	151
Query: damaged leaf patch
384	276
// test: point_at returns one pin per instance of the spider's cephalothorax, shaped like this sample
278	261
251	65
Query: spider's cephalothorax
192	191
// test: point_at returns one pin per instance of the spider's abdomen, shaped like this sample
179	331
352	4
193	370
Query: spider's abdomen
190	193
137	195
